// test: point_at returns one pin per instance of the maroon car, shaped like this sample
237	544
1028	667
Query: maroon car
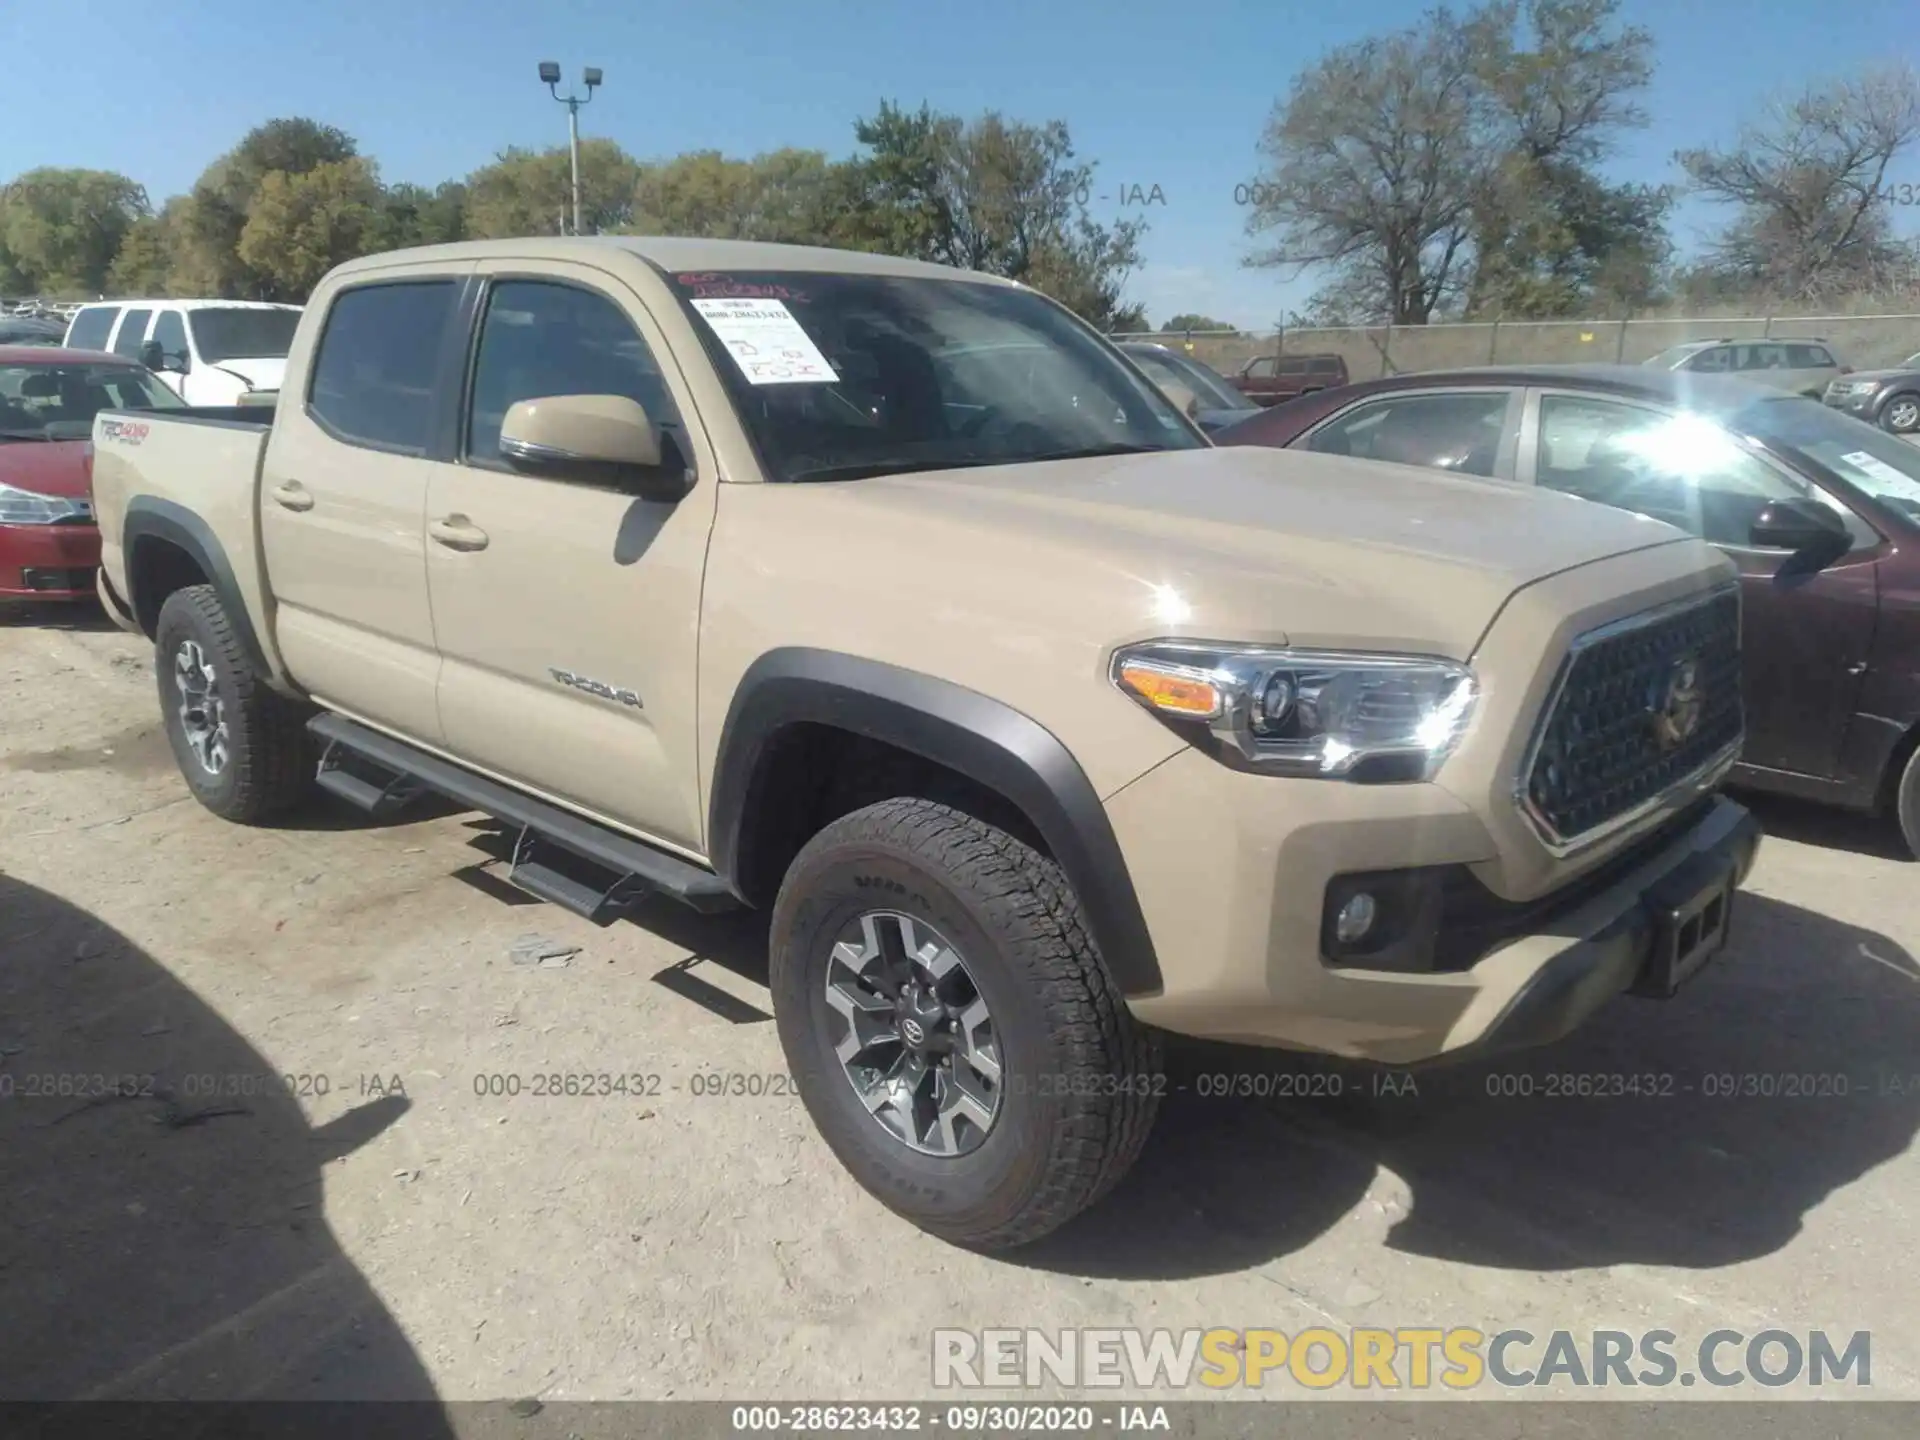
49	548
1271	379
1820	512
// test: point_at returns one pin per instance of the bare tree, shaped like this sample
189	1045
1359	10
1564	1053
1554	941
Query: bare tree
1449	166
1375	160
1809	178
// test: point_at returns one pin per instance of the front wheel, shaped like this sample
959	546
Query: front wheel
951	1028
241	747
1906	803
1901	414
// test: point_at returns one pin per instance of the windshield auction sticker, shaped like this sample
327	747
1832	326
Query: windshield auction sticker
766	342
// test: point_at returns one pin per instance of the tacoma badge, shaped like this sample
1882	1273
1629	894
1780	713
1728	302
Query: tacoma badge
596	687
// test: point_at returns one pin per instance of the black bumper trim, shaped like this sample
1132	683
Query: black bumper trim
1576	982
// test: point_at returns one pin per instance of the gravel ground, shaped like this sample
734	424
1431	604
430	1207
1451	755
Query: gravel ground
379	1225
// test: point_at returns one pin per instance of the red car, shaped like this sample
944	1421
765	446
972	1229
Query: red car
49	547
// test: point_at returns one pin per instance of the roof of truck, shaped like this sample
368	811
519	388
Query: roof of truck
674	254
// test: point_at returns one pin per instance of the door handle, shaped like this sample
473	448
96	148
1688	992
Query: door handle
293	495
456	532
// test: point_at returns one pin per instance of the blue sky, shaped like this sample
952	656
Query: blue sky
1168	95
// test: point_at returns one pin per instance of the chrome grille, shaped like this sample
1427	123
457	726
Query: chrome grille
1621	730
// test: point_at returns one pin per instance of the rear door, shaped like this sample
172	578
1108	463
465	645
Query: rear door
343	497
1806	635
567	613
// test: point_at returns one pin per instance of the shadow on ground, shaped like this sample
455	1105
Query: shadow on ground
1827	826
1789	1069
54	615
163	1232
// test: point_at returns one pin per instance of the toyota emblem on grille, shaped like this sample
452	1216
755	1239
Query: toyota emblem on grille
1677	715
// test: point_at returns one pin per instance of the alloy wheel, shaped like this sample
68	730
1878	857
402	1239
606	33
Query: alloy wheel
918	1043
203	716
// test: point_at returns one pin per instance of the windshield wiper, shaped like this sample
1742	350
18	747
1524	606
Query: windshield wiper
1094	452
23	435
871	469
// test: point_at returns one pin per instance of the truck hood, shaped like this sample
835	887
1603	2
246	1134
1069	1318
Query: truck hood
1262	545
1881	375
46	467
260	374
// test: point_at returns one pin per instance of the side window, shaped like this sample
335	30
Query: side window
91	327
543	338
1808	357
1459	432
373	376
171	331
1714	360
1263	368
1328	366
133	329
1682	469
1295	367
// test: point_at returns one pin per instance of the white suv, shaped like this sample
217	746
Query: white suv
1802	365
209	352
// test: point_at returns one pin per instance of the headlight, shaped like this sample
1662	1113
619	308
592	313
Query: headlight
1863	387
1307	712
24	507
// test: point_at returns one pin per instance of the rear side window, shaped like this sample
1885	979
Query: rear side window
373	376
1295	367
1460	432
91	327
1328	366
133	329
1808	357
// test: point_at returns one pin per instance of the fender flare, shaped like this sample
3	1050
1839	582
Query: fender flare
989	742
149	517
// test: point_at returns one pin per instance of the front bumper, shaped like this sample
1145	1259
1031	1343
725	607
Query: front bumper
1233	873
48	562
1859	403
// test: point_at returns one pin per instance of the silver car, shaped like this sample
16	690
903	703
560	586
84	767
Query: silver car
1804	365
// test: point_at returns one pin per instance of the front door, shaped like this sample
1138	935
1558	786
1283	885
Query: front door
567	614
1805	633
343	497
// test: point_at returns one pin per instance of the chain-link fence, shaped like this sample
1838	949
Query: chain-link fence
1865	342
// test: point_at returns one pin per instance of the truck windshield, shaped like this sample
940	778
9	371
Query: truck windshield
233	333
58	402
839	376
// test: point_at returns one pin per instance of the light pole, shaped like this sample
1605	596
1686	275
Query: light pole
550	77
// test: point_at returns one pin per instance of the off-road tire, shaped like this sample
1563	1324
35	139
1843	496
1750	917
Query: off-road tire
1082	1079
269	764
1906	803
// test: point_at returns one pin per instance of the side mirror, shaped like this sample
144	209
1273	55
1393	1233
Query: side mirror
1799	525
601	439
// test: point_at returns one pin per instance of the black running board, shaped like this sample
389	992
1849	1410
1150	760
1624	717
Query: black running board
558	856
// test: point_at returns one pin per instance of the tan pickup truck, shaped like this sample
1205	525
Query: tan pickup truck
895	599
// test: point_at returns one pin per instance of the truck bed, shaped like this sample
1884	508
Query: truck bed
192	472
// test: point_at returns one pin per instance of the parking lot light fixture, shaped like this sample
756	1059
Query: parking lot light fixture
590	77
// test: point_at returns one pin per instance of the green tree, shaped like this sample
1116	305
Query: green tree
209	261
145	262
1000	196
797	197
415	215
300	225
60	229
1194	322
529	192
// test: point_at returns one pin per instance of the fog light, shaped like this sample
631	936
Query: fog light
1355	918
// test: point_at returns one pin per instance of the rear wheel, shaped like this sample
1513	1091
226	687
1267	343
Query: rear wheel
241	746
951	1028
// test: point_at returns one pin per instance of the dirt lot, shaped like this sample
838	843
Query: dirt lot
383	1227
